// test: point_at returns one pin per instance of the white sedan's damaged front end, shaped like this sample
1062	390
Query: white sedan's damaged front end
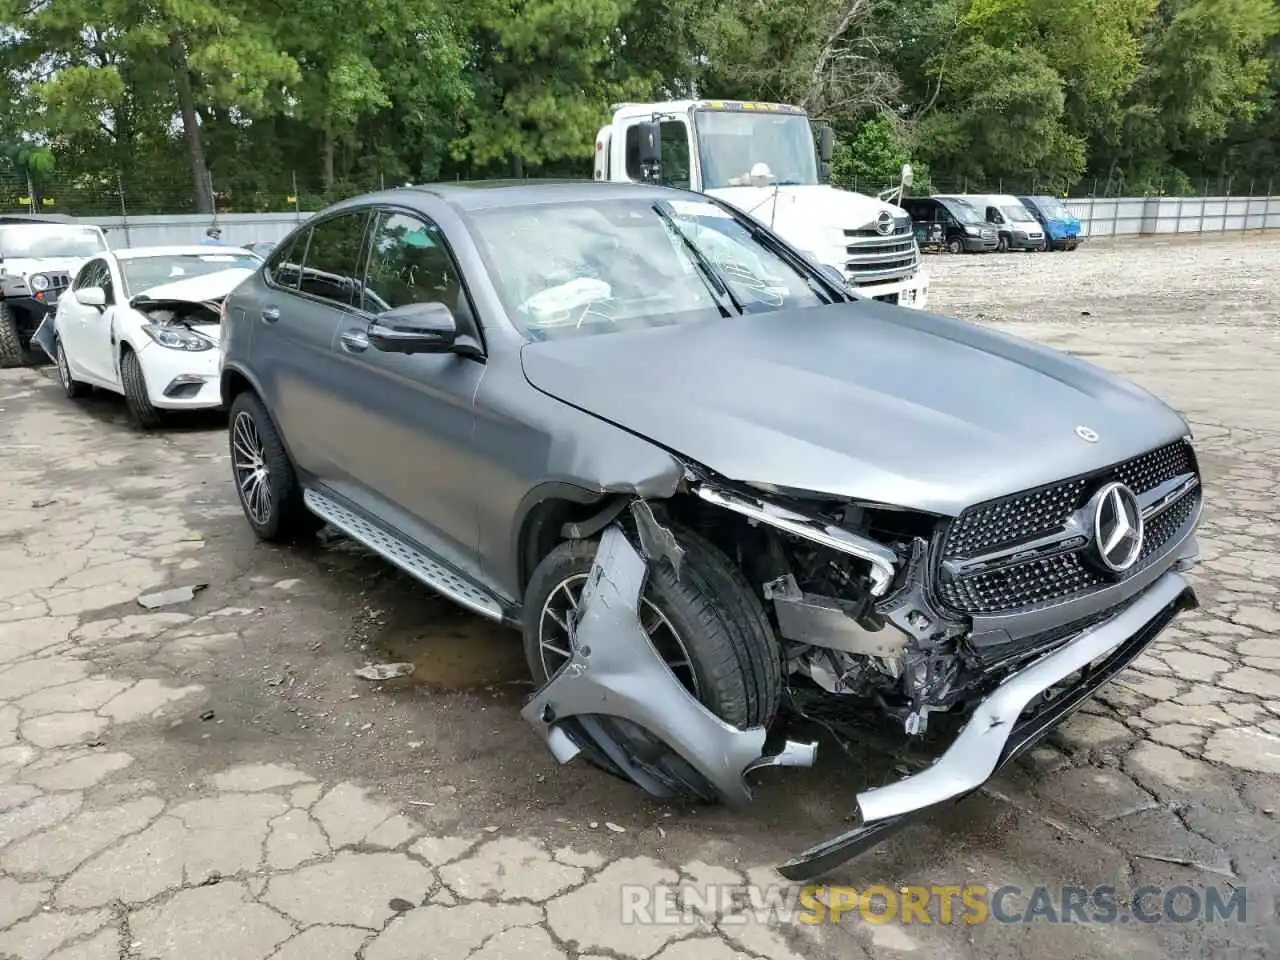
949	626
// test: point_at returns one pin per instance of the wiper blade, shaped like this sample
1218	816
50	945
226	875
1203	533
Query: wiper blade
715	283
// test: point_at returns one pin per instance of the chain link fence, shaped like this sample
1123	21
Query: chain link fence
169	191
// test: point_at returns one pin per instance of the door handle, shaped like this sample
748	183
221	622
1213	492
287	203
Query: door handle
355	341
270	314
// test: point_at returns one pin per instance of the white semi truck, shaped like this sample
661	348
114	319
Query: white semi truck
760	158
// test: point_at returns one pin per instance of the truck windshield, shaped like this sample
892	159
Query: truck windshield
1017	213
584	268
1053	208
963	210
23	241
778	147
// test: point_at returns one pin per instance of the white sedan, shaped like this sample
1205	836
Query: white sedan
144	322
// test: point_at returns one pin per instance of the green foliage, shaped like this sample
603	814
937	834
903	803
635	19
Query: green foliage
298	102
872	161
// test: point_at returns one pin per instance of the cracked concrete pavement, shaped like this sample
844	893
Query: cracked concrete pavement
210	780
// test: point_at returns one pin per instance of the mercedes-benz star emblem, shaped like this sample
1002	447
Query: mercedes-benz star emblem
1117	527
884	223
1086	434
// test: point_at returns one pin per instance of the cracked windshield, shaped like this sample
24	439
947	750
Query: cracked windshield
574	269
733	146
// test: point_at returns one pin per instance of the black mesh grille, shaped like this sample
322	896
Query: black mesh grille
1011	521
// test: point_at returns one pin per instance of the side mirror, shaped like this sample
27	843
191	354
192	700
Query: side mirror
908	175
91	297
415	328
826	144
650	157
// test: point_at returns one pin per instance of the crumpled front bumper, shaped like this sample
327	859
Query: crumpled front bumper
998	731
615	671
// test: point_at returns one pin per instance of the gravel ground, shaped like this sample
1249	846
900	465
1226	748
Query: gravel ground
211	782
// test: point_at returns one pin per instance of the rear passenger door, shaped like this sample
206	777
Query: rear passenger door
310	287
406	420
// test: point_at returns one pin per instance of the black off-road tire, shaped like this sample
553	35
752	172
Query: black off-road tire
12	353
289	519
71	386
135	392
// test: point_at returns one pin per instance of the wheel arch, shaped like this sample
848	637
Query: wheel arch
544	513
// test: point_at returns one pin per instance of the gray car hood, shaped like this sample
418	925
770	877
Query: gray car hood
861	400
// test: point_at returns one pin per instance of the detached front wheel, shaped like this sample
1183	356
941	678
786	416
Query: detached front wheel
707	626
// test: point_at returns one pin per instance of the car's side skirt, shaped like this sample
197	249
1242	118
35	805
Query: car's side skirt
408	556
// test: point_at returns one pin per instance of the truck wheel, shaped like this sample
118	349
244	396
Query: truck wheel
74	388
135	392
955	245
11	352
266	482
1003	244
707	625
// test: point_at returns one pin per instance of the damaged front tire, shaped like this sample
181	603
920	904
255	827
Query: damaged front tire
706	624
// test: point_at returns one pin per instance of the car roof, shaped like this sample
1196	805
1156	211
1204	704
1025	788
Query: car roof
496	194
185	250
30	218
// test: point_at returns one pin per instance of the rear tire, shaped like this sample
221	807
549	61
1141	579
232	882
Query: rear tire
135	392
72	387
266	483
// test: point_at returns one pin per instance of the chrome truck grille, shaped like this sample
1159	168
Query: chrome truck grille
872	257
1029	550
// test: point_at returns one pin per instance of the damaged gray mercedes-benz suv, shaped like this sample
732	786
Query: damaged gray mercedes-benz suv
714	489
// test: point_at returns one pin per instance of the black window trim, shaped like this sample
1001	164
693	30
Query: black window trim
362	260
463	287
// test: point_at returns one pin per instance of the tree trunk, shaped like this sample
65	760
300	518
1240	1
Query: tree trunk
191	125
330	148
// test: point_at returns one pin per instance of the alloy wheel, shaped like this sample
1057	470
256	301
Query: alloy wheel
253	478
557	625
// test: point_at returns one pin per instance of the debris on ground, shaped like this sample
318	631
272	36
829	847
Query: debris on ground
38	504
207	716
614	828
384	671
166	598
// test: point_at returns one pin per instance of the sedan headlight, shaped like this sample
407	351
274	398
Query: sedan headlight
177	338
38	282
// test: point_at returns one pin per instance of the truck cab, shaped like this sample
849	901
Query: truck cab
38	256
1062	228
761	159
963	228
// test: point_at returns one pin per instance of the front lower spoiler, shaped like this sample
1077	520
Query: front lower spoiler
614	671
997	732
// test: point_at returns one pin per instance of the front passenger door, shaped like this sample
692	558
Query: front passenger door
99	348
406	420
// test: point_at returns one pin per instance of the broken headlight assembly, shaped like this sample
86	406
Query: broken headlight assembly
177	338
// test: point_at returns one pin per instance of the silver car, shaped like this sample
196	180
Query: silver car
714	488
